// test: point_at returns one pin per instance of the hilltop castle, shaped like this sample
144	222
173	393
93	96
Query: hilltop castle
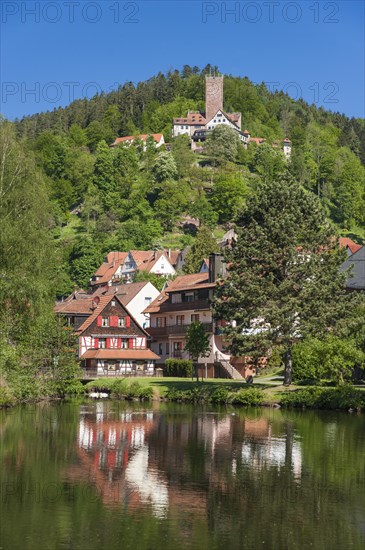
197	125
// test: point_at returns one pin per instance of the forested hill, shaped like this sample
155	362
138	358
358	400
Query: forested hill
149	107
102	199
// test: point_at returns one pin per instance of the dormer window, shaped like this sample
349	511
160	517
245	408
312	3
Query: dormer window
105	322
113	303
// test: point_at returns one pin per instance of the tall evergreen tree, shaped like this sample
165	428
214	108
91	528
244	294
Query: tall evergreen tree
204	245
283	281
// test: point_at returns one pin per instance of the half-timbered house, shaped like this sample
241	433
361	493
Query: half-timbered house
112	343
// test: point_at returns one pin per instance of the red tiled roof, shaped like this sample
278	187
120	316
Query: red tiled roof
142	137
182	282
103	302
110	265
119	354
345	242
125	292
234	117
192	119
257	140
80	306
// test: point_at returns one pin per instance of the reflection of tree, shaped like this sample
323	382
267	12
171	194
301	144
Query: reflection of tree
232	479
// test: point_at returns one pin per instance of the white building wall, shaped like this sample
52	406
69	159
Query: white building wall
163	267
140	302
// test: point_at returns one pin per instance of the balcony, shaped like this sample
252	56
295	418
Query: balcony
168	307
174	330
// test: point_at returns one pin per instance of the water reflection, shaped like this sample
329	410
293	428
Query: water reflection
122	475
145	457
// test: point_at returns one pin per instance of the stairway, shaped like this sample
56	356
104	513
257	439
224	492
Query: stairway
230	370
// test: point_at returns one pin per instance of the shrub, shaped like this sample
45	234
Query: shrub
7	399
178	367
332	358
248	397
344	397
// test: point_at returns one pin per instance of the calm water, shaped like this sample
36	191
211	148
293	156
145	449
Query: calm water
112	475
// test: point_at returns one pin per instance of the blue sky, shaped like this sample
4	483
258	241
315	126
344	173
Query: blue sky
54	51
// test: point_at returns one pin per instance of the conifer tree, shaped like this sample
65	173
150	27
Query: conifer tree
204	245
283	280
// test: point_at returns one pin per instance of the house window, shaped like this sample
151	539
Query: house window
167	348
121	322
195	318
148	300
180	319
187	127
102	343
113	303
182	127
176	298
178	347
189	297
160	349
160	321
105	322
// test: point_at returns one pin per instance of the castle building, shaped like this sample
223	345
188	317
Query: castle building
198	125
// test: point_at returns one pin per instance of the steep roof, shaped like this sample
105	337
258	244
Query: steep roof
345	242
182	282
103	302
356	280
192	119
125	292
111	263
80	306
146	259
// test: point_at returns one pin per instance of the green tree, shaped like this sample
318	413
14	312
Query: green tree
230	190
222	145
197	343
332	358
164	167
283	282
204	245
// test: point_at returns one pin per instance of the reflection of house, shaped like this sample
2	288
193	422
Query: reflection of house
112	343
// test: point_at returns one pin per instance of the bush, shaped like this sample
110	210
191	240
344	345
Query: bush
344	397
178	367
248	397
7	399
332	358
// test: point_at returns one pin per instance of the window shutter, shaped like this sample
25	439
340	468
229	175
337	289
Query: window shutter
131	343
99	321
96	343
113	321
127	322
108	343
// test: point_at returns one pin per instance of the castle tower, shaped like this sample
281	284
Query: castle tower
213	95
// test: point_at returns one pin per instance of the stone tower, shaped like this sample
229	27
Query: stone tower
213	95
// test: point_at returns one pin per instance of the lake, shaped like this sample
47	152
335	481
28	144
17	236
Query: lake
116	475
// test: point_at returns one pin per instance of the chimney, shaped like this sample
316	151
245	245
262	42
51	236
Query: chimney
217	267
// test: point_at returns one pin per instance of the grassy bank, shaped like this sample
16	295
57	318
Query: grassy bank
218	391
264	392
